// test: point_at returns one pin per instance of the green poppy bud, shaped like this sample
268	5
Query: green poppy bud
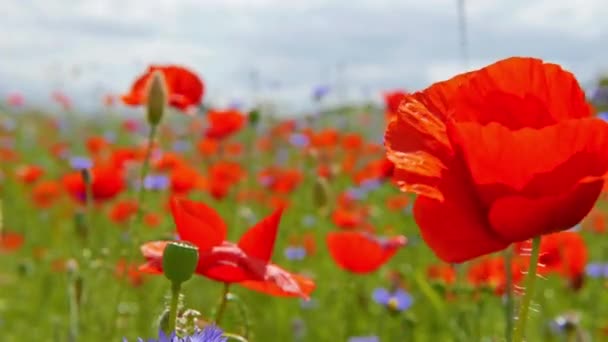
157	98
179	261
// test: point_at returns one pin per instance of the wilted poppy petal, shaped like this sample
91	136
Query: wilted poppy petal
457	228
197	223
258	241
517	218
360	252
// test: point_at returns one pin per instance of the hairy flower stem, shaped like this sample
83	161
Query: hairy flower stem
175	289
509	305
222	308
524	306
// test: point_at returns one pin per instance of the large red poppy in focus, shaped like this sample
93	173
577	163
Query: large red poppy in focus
246	262
498	155
185	89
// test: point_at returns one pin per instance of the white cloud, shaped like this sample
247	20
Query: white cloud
297	44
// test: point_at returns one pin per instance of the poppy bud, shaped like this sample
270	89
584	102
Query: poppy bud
179	261
157	98
254	117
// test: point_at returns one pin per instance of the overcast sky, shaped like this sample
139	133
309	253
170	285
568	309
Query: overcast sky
362	47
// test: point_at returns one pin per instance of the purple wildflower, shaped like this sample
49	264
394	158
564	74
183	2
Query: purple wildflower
599	95
309	221
181	146
210	333
398	300
319	92
156	182
370	338
356	193
597	270
79	163
370	184
299	140
295	253
603	116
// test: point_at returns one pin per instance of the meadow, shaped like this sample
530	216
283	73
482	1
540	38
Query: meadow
82	194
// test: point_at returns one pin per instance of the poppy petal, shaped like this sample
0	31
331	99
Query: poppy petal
517	218
455	229
258	241
534	161
360	252
282	283
520	92
417	143
197	223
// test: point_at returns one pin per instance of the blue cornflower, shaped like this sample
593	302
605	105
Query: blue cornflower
308	221
181	146
295	253
80	163
210	333
156	182
395	301
599	95
370	184
364	339
319	92
603	116
597	270
356	193
299	140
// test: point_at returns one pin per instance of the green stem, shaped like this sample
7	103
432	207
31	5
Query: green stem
509	305
524	306
131	253
222	308
141	195
74	319
175	289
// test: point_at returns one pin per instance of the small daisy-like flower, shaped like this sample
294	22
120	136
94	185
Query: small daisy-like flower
396	301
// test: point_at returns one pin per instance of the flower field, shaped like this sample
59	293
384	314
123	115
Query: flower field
472	210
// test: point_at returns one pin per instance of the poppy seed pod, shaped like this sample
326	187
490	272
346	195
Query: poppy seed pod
179	261
157	98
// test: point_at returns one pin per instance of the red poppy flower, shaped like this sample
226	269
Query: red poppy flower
45	193
563	253
185	89
106	183
29	173
443	272
10	242
490	273
359	252
96	145
498	155
223	123
122	211
247	261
